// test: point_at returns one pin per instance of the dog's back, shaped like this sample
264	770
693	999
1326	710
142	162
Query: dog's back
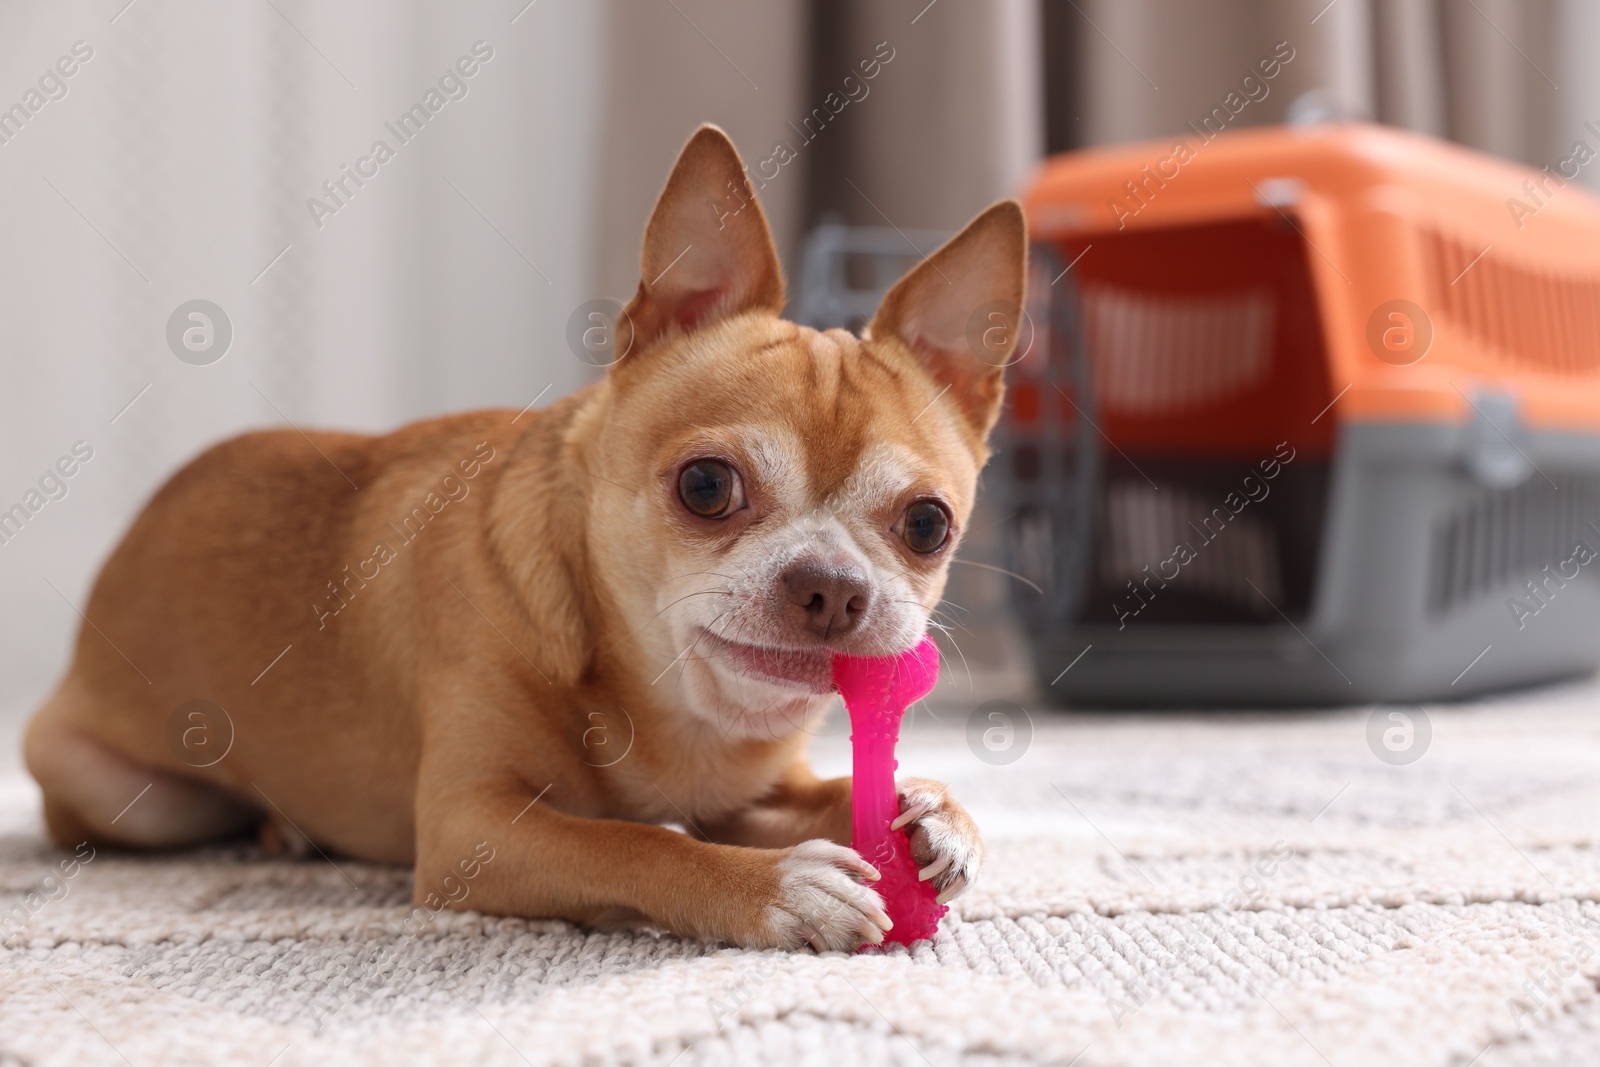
316	659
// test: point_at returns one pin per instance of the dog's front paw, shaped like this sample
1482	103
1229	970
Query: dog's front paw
823	899
944	839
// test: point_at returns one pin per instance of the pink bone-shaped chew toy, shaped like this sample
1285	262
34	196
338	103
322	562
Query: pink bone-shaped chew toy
876	691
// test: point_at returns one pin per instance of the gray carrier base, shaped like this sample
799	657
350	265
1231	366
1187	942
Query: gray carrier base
1429	585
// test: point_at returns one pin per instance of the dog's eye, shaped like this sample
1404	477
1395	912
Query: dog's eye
709	488
926	526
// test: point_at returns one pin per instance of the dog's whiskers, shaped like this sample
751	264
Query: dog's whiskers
669	607
1000	570
697	574
946	622
688	654
957	646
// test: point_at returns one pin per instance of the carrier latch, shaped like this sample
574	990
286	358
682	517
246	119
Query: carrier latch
1496	442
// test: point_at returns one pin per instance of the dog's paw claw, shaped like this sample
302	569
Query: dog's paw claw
824	901
944	839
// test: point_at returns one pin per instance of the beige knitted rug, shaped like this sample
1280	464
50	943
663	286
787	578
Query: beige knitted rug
1218	889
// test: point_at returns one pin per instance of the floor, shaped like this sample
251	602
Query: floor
1272	888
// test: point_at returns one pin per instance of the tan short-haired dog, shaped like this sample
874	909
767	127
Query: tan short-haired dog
537	638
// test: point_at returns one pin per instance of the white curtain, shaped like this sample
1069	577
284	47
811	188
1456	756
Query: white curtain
178	165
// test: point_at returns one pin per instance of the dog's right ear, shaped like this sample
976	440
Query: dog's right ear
981	271
708	252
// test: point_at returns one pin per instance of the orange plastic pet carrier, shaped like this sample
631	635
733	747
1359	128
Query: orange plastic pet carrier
1306	415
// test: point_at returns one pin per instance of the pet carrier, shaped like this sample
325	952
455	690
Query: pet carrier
846	270
1307	415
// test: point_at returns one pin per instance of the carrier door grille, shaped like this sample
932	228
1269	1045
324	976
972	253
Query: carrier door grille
1155	354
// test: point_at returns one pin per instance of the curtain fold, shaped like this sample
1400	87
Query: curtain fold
1515	78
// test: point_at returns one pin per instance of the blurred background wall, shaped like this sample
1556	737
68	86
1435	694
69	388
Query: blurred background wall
179	160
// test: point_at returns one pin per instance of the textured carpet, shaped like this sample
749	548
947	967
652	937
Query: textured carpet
1256	889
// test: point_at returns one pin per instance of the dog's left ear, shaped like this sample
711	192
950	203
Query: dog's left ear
708	253
959	311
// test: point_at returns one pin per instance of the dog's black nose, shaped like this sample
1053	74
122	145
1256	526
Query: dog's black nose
827	599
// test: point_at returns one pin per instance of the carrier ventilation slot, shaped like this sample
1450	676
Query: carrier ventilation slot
1229	554
1157	354
1539	320
1505	537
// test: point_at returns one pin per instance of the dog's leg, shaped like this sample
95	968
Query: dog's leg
92	792
543	863
801	807
944	839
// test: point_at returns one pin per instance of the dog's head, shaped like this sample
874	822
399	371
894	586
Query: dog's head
764	494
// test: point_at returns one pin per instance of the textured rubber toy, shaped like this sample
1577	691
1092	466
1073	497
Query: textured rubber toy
877	690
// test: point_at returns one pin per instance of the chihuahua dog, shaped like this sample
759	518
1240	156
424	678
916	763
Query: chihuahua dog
510	648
